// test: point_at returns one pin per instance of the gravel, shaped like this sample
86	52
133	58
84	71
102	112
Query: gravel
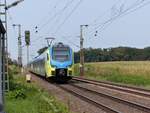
131	97
74	104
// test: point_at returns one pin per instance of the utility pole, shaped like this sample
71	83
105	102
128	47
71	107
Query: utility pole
81	50
4	78
3	17
19	45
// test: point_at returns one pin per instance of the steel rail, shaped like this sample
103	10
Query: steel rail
93	102
119	100
97	104
87	99
110	85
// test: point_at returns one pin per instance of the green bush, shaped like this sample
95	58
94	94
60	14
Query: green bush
20	94
17	94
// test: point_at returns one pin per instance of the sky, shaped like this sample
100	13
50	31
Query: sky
62	19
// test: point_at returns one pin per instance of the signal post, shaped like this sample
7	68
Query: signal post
27	41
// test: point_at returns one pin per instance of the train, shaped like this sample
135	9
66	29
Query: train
56	62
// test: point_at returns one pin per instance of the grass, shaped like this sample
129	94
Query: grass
133	73
28	98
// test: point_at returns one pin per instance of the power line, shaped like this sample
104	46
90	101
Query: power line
68	16
109	21
125	12
132	10
137	8
93	24
71	42
120	12
54	7
102	15
59	16
76	6
56	4
56	14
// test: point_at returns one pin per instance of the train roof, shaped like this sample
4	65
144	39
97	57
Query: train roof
60	44
40	57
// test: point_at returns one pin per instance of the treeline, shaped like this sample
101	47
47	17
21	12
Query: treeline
114	54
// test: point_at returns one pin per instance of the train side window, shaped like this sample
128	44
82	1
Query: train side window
47	57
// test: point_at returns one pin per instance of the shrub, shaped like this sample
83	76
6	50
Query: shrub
17	94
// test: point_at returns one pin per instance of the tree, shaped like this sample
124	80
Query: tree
114	54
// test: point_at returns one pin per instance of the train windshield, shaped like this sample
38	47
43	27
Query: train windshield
61	54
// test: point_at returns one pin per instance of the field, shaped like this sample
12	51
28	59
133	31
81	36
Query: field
28	98
133	73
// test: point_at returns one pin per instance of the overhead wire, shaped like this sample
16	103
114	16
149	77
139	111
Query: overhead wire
76	6
60	15
93	24
137	8
98	26
55	15
135	5
39	27
104	13
109	22
71	42
68	16
54	7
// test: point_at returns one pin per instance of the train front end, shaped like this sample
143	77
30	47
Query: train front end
62	61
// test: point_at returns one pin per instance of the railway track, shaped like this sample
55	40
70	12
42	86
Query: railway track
88	99
91	96
124	88
104	101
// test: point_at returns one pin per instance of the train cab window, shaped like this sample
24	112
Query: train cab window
47	57
61	54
